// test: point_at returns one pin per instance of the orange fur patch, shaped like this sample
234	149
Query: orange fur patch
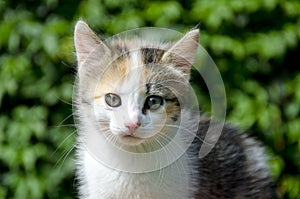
113	75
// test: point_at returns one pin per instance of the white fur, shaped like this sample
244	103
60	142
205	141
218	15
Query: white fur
101	181
104	182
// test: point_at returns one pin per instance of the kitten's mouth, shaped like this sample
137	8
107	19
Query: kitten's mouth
130	136
130	139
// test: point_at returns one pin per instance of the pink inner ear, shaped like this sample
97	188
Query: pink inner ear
184	51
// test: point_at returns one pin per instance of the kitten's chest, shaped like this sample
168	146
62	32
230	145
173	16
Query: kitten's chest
103	182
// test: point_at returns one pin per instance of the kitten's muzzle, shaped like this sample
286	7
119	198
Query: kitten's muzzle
132	127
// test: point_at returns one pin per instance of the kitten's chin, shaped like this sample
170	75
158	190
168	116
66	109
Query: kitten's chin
130	140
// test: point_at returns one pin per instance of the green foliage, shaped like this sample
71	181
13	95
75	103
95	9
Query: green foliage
255	45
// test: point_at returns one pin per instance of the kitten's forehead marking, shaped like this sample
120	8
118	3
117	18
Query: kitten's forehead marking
135	57
133	78
151	55
125	77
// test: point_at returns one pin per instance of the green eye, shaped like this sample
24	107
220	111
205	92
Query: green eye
153	102
112	100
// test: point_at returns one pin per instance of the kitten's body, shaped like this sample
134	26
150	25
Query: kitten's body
131	105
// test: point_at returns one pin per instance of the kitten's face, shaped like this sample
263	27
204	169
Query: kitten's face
137	89
135	98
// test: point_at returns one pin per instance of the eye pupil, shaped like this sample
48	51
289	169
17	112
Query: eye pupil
112	100
153	102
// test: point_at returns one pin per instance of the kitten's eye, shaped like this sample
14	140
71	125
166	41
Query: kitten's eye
153	102
112	100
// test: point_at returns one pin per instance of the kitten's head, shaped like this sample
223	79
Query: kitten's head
133	90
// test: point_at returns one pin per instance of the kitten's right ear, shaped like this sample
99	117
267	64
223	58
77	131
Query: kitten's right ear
86	42
183	52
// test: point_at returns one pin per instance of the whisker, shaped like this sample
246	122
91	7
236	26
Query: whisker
186	130
112	139
60	124
59	146
108	135
64	101
102	122
65	155
105	130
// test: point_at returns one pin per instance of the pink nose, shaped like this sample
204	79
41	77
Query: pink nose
133	126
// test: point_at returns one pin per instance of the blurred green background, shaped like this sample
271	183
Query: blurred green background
254	43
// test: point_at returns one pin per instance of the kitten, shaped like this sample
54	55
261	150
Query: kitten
139	135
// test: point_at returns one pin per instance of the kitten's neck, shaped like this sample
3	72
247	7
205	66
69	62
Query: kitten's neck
173	181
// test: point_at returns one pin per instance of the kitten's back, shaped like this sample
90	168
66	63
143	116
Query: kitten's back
235	168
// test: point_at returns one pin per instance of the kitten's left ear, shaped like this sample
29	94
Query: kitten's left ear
91	51
86	42
184	51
